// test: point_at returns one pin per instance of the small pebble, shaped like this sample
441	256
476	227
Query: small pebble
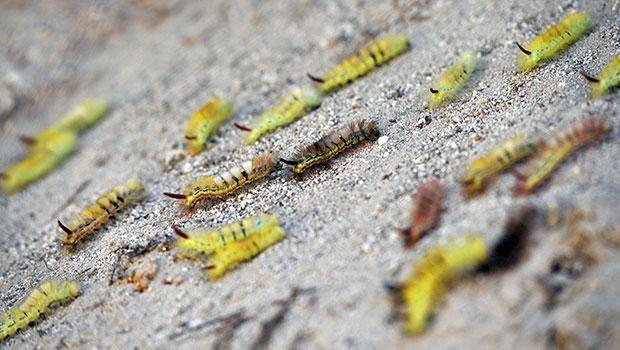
382	140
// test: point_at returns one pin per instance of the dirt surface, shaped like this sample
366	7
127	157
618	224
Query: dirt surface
323	286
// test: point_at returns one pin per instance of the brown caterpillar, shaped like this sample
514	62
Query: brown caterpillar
329	146
99	213
540	167
425	211
222	185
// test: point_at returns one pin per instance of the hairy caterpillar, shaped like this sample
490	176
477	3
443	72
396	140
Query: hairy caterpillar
441	263
362	62
481	170
221	185
229	256
101	211
607	79
451	82
332	144
206	242
80	118
58	146
425	212
292	106
35	304
553	41
551	156
205	122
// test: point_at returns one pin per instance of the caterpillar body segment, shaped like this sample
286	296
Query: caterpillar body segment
200	241
205	122
228	257
432	273
553	41
292	106
607	79
426	210
482	170
362	62
57	147
227	182
453	80
76	121
332	144
100	212
542	165
35	304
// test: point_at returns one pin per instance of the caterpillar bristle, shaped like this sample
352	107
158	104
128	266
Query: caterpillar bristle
175	195
179	232
289	162
315	79
190	137
27	140
589	78
433	91
242	127
527	52
65	228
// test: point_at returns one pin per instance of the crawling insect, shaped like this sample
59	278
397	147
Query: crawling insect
332	144
57	147
482	170
425	211
553	41
362	62
229	256
292	106
453	80
200	241
36	304
224	184
607	79
100	212
205	122
548	158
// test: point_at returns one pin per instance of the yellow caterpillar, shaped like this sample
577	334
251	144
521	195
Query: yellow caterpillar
362	62
99	213
80	118
221	185
292	106
551	156
332	144
57	147
442	263
205	122
206	242
228	257
453	80
553	41
35	304
481	170
607	79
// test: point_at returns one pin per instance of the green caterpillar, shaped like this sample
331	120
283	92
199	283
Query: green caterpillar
205	122
607	79
453	80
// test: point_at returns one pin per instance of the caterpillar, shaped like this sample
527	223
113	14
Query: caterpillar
206	242
221	185
100	212
451	82
482	170
607	79
553	41
35	304
58	146
80	118
332	144
228	257
292	106
540	167
440	264
362	62
425	212
205	122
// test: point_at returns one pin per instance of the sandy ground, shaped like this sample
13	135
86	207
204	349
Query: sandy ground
156	61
